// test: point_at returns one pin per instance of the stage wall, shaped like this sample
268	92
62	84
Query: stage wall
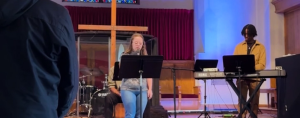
220	31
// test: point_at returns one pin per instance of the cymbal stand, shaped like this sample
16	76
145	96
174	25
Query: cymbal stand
75	112
88	105
85	103
78	99
83	89
90	109
105	83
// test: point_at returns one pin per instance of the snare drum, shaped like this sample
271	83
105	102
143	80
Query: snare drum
86	93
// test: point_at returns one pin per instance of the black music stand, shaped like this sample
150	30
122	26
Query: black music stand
241	65
135	66
199	66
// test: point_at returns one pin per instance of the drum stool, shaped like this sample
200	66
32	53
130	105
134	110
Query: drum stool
121	110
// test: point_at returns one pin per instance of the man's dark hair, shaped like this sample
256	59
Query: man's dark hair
251	30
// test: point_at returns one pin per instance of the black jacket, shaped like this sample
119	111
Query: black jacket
38	63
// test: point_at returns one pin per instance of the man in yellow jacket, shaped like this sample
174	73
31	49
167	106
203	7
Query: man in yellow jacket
251	46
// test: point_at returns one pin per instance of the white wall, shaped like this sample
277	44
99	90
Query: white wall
218	28
157	4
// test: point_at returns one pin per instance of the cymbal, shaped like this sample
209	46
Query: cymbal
91	71
85	71
96	72
83	76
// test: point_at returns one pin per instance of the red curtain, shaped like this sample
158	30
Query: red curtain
173	27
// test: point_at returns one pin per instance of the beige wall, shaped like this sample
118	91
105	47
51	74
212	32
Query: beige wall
276	35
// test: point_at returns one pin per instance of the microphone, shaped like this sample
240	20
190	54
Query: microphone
138	52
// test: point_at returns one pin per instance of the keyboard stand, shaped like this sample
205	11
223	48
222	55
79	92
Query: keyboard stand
246	105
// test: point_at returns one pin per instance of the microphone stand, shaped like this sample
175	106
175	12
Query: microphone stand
173	69
141	83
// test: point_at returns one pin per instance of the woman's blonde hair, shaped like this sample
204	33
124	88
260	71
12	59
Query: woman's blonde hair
129	49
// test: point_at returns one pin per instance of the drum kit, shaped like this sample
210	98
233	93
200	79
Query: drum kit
88	96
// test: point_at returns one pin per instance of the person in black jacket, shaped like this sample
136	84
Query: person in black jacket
38	64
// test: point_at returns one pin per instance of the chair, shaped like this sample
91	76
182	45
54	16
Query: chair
273	93
121	110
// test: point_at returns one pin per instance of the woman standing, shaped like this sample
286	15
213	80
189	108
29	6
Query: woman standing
130	88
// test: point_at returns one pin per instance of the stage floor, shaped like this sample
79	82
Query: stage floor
191	116
190	104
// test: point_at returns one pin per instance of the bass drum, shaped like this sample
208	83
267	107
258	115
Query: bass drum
99	104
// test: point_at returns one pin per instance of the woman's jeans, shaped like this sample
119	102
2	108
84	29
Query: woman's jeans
131	102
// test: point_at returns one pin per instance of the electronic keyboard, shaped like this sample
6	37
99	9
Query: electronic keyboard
222	75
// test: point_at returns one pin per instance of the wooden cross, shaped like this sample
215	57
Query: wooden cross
113	28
